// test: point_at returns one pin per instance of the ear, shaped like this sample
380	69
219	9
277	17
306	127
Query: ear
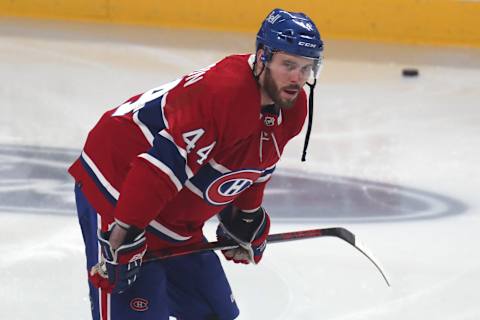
260	57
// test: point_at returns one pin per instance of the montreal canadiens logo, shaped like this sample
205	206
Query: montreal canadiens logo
269	121
225	188
139	304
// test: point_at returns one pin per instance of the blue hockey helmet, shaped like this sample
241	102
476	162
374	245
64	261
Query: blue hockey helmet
293	33
290	32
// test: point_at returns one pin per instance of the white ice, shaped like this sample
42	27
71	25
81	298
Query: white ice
370	123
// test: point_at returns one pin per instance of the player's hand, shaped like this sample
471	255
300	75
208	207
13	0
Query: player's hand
249	230
119	268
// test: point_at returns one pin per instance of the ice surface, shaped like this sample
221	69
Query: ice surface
396	157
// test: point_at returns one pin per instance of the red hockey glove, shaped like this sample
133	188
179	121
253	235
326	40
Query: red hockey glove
249	230
118	269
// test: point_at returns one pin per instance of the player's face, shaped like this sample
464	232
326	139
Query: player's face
284	77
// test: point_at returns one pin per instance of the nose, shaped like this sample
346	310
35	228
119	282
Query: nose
296	76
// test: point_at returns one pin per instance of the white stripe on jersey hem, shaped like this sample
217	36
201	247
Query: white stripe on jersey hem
157	163
194	189
160	227
215	165
148	135
105	183
182	151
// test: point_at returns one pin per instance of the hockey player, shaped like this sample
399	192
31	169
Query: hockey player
155	168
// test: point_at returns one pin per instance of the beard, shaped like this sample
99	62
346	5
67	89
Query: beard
272	89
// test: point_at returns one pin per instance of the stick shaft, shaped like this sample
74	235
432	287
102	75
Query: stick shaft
225	245
338	232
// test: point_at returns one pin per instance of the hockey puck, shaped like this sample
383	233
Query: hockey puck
410	72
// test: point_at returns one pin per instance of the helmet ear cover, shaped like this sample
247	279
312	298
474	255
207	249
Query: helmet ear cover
267	53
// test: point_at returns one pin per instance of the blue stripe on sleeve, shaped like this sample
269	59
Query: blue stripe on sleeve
99	185
151	115
167	153
205	176
268	171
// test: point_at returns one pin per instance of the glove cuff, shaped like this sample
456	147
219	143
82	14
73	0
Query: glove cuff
241	226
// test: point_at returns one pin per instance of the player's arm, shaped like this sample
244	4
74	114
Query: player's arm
247	222
154	178
251	199
158	175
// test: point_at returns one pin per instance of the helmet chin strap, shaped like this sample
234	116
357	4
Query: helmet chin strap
310	118
257	76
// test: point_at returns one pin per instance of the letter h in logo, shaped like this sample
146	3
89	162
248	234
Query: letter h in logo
234	187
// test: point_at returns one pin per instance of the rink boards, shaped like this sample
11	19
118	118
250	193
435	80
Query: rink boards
441	22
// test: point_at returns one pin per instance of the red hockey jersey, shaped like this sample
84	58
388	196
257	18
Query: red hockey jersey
171	158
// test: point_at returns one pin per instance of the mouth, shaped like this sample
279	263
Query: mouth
290	92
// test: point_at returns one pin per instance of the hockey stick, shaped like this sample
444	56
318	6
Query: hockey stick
338	232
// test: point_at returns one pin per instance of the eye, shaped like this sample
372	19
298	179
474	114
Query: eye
307	69
289	65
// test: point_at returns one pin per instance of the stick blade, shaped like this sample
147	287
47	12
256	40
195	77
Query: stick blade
349	237
361	247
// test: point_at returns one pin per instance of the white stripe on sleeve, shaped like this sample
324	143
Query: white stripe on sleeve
182	151
194	189
161	228
217	166
146	132
105	183
165	169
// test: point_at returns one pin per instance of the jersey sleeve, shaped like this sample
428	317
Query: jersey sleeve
252	198
187	141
